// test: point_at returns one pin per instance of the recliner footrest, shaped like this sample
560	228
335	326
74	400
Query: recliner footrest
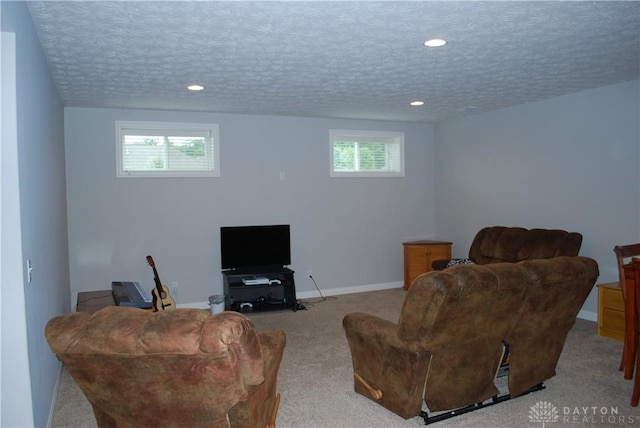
473	407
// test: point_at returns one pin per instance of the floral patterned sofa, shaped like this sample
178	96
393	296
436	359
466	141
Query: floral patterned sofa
174	368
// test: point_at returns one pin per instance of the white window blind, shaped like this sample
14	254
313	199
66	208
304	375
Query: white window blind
159	149
366	153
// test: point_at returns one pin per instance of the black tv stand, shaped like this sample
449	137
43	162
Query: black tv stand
260	290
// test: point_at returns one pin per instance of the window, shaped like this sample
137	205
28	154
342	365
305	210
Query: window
366	153
160	149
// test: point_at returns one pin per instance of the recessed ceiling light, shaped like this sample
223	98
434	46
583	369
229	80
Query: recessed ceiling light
434	43
417	103
195	87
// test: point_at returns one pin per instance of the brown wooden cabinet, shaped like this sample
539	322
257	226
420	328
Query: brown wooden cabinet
610	311
418	256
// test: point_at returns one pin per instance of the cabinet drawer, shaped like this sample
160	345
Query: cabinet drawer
612	298
611	311
613	319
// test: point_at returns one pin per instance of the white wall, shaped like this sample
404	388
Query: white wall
16	403
570	162
349	232
43	230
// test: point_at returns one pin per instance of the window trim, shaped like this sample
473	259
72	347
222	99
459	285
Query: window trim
396	136
169	127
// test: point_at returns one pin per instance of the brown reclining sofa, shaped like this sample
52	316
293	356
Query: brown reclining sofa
454	327
496	244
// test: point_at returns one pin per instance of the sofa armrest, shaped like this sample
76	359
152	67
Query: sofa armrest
397	370
256	411
377	330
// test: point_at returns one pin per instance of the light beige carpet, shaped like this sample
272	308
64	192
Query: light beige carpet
316	378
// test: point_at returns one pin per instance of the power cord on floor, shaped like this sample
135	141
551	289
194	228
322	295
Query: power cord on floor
310	303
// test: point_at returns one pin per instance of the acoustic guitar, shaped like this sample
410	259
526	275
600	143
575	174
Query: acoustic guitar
161	298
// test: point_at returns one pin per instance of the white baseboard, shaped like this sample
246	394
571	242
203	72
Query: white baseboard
585	315
588	315
349	290
196	305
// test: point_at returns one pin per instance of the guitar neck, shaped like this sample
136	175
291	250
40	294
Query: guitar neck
156	278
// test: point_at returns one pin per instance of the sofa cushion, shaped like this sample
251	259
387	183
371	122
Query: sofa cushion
557	289
502	244
465	336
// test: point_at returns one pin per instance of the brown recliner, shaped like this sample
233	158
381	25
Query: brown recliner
497	244
178	368
455	326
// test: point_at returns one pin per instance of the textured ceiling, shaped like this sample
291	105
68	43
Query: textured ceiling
351	59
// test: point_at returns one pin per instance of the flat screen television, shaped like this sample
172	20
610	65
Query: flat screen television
255	248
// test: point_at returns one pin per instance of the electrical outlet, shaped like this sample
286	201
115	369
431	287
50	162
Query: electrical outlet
310	274
174	288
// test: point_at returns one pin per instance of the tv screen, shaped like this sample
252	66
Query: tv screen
255	247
